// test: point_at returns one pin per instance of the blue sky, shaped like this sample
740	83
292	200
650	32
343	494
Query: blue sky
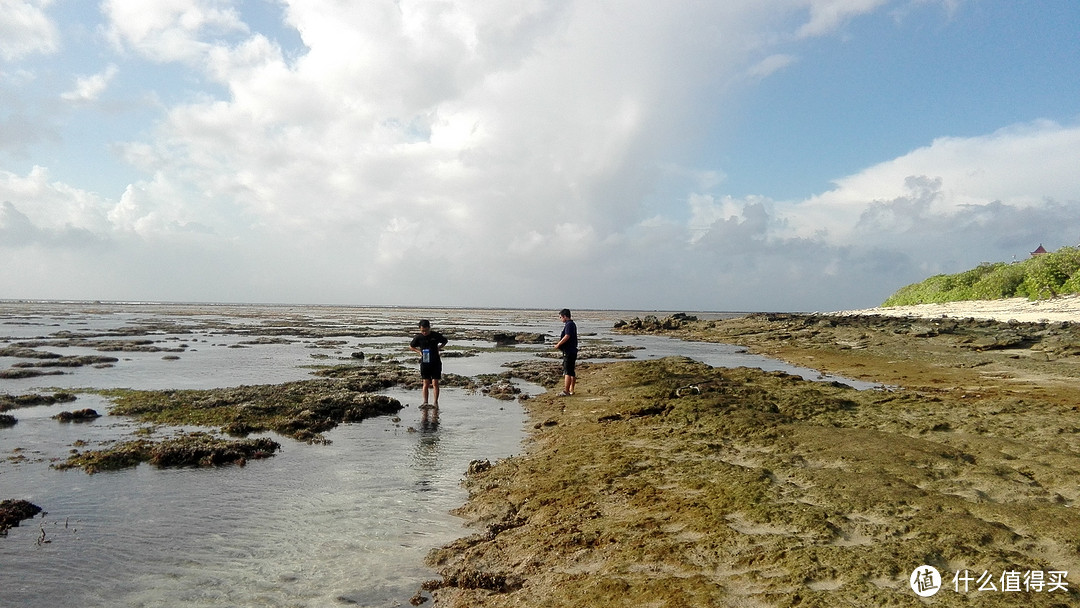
744	155
890	83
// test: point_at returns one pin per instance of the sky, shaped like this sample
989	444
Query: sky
685	155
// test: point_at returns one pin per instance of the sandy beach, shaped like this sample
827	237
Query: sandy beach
670	483
1062	308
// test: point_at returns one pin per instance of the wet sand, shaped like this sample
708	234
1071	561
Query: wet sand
669	483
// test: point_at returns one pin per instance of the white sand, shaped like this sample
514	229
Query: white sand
1062	308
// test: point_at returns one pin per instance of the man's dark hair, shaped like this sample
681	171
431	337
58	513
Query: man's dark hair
424	323
565	313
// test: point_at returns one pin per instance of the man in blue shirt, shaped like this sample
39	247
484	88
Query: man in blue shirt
568	345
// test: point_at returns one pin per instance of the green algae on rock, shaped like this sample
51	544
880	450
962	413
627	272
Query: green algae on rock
670	483
301	410
188	450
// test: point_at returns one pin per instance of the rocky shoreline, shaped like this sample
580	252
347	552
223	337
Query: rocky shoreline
669	483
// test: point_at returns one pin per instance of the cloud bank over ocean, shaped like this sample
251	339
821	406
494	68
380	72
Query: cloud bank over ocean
539	153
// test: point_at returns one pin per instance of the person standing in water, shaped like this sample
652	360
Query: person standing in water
568	345
428	343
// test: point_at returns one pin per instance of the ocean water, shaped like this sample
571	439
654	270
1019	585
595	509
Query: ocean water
347	523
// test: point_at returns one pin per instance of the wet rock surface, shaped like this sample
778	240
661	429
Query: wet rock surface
301	410
11	402
545	373
907	351
14	511
507	339
160	336
652	324
15	373
188	450
83	415
670	483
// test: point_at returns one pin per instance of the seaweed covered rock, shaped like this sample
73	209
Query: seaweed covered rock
650	323
502	389
18	373
189	450
302	410
14	511
203	450
509	339
82	415
12	402
545	373
80	361
671	483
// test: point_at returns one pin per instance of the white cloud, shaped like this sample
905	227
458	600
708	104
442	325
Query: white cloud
1020	166
26	29
52	206
453	126
827	15
943	208
169	30
770	65
463	153
89	88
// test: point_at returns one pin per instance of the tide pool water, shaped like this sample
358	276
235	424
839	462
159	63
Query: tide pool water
347	523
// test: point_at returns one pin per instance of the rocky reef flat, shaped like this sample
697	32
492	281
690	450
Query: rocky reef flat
670	483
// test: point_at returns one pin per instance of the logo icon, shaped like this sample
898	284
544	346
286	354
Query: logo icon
925	581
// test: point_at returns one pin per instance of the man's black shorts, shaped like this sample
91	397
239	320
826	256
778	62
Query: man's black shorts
568	362
431	371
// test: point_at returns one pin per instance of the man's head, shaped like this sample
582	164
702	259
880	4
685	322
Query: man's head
565	314
425	326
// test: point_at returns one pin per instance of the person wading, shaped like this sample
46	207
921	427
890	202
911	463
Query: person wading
428	344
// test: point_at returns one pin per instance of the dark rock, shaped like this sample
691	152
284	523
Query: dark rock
11	402
479	466
14	511
77	416
506	339
504	390
19	373
652	324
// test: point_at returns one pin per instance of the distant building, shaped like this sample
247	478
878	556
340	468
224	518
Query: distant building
1038	251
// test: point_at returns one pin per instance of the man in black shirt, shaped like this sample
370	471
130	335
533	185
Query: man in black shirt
568	344
428	343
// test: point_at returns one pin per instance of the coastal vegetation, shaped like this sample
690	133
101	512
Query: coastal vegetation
1042	276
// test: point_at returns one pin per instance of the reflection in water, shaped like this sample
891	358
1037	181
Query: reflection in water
429	422
426	454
